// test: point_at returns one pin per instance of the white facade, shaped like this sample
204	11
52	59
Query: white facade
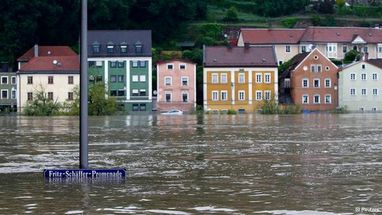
360	87
59	89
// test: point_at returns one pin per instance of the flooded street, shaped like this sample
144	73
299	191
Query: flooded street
212	164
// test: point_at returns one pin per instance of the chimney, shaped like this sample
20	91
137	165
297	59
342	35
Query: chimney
365	56
35	50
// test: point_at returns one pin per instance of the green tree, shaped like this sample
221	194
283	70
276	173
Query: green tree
231	15
42	105
340	3
351	56
98	104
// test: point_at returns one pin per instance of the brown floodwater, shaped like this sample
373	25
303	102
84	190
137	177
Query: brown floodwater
320	164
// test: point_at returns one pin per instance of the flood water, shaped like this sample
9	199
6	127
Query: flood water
213	164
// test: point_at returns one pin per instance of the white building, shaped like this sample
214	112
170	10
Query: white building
360	86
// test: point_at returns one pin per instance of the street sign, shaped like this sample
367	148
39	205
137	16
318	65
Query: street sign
84	174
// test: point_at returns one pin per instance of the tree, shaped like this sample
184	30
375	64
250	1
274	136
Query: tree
340	3
231	15
42	105
98	104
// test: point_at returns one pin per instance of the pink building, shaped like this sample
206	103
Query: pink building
176	82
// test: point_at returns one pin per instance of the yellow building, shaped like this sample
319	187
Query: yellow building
238	78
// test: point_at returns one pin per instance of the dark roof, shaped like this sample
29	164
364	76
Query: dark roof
293	63
222	56
117	38
341	34
272	36
52	64
47	51
375	62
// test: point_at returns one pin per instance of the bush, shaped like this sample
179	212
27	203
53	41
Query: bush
42	106
352	56
289	22
341	110
98	104
231	112
272	107
231	15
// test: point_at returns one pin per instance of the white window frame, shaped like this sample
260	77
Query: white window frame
319	84
330	99
182	64
307	99
376	76
267	75
181	81
226	95
259	92
241	78
241	95
353	90
269	92
142	78
98	63
188	96
4	90
13	77
331	50
165	78
374	109
165	96
364	90
2	79
355	76
134	78
170	64
215	78
287	48
215	98
330	82
362	75
257	75
380	48
307	83
13	91
375	92
314	99
221	78
134	63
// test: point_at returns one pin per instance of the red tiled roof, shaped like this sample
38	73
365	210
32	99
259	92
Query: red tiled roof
272	36
47	51
53	64
221	56
375	62
341	34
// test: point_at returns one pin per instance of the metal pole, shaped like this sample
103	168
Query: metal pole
84	88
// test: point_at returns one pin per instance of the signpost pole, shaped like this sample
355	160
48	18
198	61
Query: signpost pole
84	88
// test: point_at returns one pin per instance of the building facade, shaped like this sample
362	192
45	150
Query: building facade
8	89
176	83
122	62
312	79
239	78
55	76
360	86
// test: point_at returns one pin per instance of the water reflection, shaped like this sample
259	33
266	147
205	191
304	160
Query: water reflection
197	164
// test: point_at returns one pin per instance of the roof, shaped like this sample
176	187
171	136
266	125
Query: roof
222	56
293	63
52	64
272	36
375	62
47	51
341	34
119	37
174	60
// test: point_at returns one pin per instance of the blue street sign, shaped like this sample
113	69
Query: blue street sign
82	174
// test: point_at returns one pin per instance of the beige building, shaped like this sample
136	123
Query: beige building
56	76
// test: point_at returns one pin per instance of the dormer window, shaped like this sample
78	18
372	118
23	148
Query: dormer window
138	47
110	48
96	47
123	48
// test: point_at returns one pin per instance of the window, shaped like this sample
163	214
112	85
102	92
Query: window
138	47
142	92
168	81
327	68
135	63
375	76
259	78
13	80
223	95
170	66
182	66
241	78
135	92
184	81
214	78
363	92
96	48
312	68
328	83
316	83
363	76
121	78
13	94
305	99
362	109
98	63
319	68
113	78
50	95
305	83
123	48
113	93
30	96
365	49
185	96
223	78
142	64
363	66
259	95
142	78
121	93
110	49
135	78
303	48
4	94
352	92
142	107
375	92
328	99
352	76
215	96
70	80
374	109
316	99
315	57
30	80
267	95
241	95
113	64
315	68
4	80
267	78
379	48
280	62
345	49
121	64
135	107
287	48
168	96
70	96
50	79
98	78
